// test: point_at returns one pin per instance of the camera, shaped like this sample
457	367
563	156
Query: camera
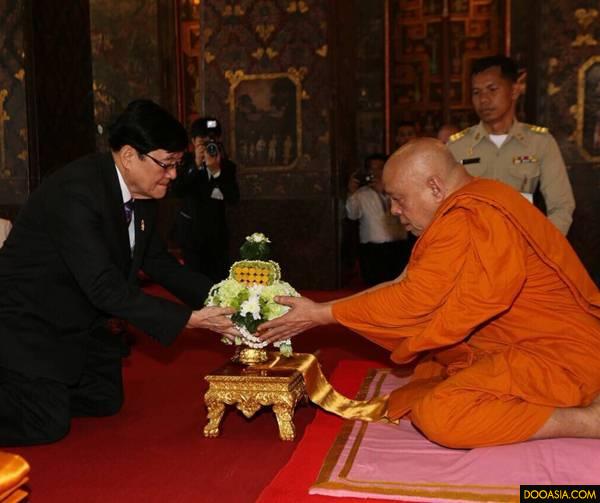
213	148
364	177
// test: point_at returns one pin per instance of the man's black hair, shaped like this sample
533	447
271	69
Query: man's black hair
375	157
406	124
508	68
205	127
146	126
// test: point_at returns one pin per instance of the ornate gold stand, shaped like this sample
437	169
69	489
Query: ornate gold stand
250	388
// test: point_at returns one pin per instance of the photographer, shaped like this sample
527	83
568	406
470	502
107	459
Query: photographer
207	183
384	248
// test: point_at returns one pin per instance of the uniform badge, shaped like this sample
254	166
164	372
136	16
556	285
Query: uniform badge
524	159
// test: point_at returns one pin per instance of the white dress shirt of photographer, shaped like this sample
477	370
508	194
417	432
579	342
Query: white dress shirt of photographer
369	205
5	227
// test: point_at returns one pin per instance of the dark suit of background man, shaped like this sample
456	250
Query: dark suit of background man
208	185
70	265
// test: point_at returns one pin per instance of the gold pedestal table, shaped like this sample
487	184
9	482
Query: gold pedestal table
251	387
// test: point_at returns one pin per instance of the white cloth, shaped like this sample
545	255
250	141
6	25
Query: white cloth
126	197
5	227
216	192
376	223
498	139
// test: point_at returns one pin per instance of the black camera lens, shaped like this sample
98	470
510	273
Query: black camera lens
212	149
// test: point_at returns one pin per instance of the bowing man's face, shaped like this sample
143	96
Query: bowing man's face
414	197
148	175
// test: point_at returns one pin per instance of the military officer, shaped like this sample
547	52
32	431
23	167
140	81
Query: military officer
502	148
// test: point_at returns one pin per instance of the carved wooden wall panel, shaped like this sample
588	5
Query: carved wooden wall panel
14	171
417	57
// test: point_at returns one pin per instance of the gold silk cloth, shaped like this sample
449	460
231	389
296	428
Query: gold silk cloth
13	475
322	393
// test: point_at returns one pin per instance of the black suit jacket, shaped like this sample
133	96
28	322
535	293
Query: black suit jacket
67	267
201	222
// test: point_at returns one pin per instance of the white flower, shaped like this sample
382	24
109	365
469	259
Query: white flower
252	305
258	237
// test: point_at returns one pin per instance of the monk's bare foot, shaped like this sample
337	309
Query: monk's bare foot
580	422
594	410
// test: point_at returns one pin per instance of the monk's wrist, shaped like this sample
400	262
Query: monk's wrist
324	314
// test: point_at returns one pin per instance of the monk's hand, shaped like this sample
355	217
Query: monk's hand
304	314
215	319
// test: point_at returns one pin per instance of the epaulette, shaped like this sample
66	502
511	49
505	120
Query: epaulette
537	129
458	136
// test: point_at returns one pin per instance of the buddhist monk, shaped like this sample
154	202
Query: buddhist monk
494	309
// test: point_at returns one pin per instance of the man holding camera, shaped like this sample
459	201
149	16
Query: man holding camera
384	248
207	184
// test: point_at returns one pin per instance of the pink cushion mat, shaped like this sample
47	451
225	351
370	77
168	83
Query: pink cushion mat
397	462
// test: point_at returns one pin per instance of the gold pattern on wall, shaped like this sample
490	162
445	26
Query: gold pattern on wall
299	7
587	111
322	51
260	53
585	18
552	89
3	118
264	31
233	10
266	119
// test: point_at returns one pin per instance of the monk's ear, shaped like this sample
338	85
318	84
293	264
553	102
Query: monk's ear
434	183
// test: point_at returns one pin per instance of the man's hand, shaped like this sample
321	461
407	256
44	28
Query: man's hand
215	319
353	184
304	314
213	164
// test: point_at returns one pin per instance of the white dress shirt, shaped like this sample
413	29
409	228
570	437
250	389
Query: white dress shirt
126	197
376	223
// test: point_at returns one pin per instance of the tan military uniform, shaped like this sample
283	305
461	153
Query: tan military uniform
528	157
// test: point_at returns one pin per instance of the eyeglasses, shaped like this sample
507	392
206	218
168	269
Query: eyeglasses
165	165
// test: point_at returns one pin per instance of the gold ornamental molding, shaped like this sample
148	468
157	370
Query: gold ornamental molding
581	108
4	117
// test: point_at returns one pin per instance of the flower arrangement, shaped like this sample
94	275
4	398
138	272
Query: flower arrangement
250	289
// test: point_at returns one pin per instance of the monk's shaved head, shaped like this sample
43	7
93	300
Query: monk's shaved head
422	158
418	177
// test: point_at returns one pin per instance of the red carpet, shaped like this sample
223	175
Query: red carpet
154	450
292	483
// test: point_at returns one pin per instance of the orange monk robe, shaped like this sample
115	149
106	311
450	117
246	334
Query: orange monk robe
500	315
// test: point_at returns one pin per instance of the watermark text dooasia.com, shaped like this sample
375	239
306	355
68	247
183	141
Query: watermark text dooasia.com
559	493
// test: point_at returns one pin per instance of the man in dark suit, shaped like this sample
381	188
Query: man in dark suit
70	266
208	185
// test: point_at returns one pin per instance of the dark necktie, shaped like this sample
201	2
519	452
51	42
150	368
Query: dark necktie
128	207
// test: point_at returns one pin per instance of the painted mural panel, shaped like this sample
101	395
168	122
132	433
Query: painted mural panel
569	99
125	56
